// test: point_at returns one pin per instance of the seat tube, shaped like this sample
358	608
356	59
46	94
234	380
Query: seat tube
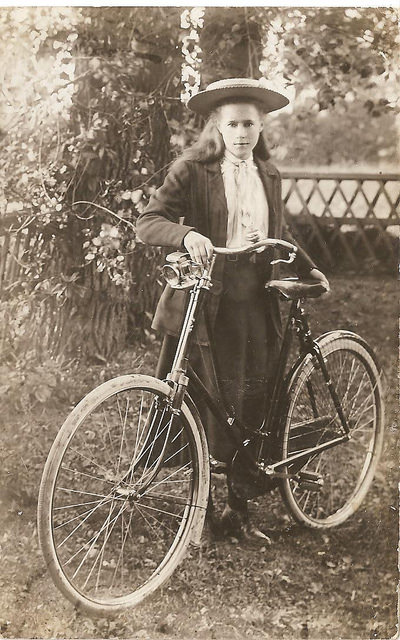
331	388
313	347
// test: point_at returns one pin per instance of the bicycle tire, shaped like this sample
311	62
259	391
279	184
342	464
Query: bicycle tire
347	470
107	545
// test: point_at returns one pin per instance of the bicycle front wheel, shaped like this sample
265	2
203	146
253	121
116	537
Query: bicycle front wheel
124	491
334	482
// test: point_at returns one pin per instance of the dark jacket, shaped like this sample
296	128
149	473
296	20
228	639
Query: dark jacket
193	197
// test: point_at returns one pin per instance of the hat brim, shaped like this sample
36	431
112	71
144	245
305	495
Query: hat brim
207	100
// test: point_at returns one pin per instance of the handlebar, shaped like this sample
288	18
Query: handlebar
266	242
181	271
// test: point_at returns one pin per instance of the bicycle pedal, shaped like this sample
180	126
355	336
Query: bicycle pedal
307	485
309	475
309	481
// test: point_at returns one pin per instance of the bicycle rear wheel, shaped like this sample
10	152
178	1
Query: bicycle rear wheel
124	491
334	482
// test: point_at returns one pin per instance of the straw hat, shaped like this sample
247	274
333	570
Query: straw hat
247	89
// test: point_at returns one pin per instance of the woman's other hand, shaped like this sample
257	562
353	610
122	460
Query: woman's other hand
253	236
200	247
316	274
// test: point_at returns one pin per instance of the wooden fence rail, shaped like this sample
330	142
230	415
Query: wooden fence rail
14	243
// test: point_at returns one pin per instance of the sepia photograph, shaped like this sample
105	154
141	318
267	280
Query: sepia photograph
199	241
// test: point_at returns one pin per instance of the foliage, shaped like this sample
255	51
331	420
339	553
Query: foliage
29	375
191	19
37	80
340	67
93	115
109	148
334	53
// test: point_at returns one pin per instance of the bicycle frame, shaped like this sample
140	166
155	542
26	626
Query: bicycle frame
181	373
297	322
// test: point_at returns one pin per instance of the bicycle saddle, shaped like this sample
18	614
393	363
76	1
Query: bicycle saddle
296	289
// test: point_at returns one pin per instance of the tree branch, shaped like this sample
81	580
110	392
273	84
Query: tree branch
99	206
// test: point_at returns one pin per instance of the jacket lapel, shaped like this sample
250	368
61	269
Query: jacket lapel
270	179
217	206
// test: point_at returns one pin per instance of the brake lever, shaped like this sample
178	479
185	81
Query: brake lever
292	256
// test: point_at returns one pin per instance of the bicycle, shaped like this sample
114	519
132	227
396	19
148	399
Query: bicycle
126	484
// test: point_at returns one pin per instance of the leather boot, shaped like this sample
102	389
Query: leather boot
235	519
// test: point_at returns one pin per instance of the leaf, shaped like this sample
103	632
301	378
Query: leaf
136	196
43	393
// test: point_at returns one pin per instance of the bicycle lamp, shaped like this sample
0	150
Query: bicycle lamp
181	272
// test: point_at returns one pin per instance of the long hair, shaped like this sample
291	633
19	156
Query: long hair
210	145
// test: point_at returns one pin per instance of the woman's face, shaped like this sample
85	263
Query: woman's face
240	125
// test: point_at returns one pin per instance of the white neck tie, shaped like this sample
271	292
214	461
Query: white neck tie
242	186
246	200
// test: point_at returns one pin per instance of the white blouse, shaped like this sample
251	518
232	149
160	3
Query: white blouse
246	199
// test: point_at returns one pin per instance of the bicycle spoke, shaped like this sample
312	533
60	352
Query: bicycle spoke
157	484
80	524
353	370
165	497
167	513
87	493
123	420
149	448
123	542
100	555
155	531
105	526
137	438
161	523
109	433
79	453
88	475
359	387
171	457
76	504
89	511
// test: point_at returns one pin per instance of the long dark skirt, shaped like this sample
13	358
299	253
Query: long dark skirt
246	349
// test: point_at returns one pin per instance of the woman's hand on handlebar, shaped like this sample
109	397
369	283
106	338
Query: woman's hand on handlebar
200	247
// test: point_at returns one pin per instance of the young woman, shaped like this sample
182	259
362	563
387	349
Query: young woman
224	191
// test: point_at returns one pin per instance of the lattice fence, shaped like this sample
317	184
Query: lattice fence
345	219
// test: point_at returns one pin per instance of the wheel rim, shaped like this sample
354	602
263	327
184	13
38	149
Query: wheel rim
345	470
123	497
